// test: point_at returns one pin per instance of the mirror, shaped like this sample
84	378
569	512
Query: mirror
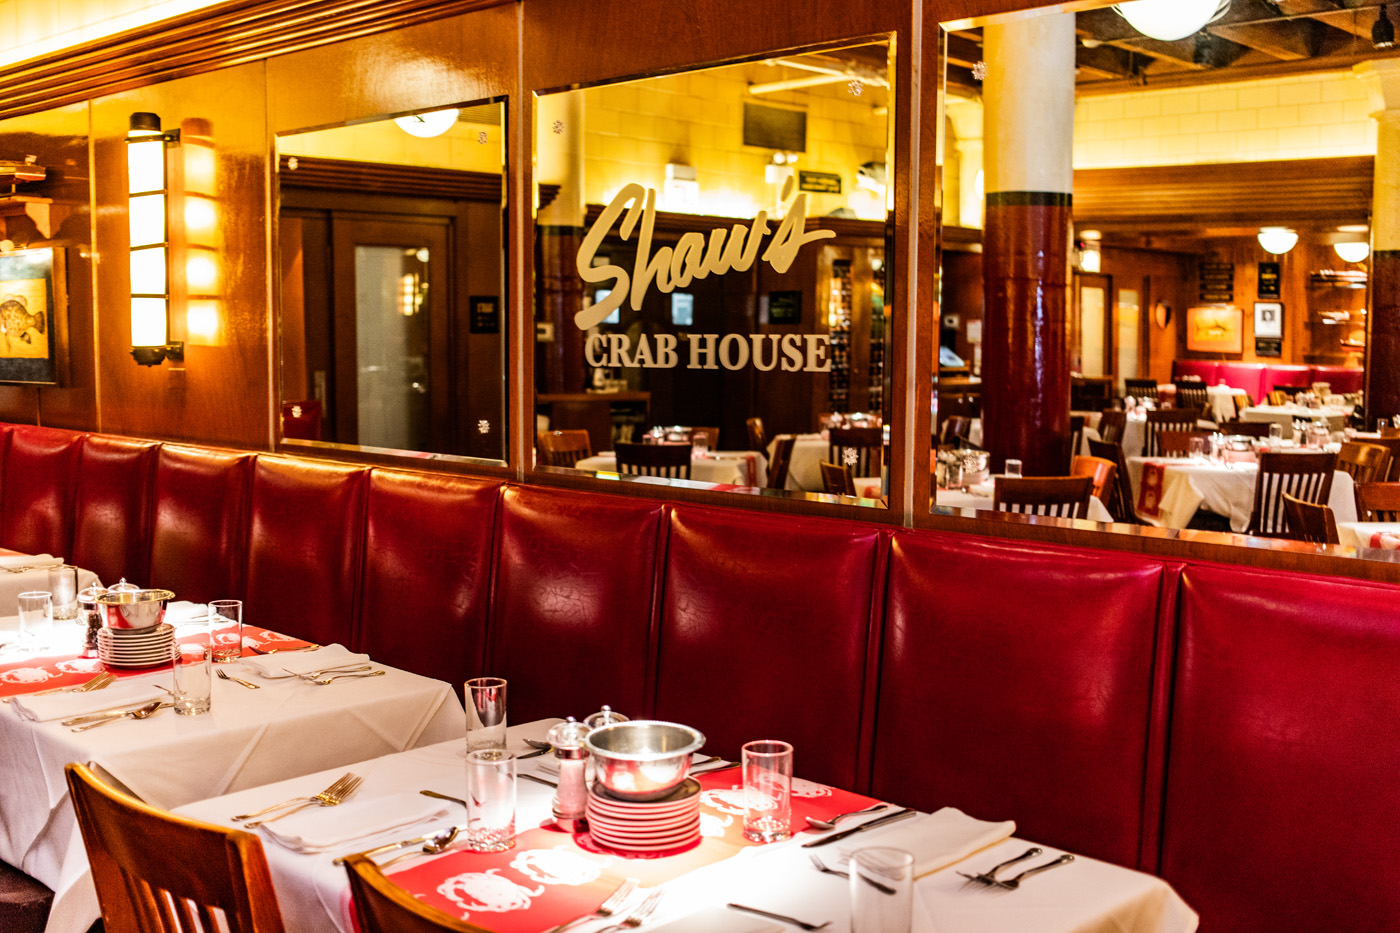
392	277
711	260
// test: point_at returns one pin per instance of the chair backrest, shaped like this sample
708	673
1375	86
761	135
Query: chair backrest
1178	443
1140	388
758	437
1101	470
1378	502
563	448
1309	521
1278	397
1391	444
838	479
160	873
1246	428
1120	502
1060	496
1242	401
955	426
782	459
383	907
861	449
1365	463
1192	395
669	460
1168	419
1112	423
711	436
1306	476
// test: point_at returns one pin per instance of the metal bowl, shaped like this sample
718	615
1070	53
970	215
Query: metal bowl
133	609
642	760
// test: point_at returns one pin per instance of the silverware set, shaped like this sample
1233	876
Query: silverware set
784	918
97	683
84	723
612	905
332	796
989	879
328	675
637	917
867	825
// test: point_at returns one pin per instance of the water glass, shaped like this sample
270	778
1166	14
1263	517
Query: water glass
767	791
36	616
193	668
1380	425
1196	448
486	713
1275	431
63	587
882	890
226	615
490	800
700	444
1013	467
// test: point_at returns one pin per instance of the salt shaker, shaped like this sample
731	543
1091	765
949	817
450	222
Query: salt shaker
571	799
91	616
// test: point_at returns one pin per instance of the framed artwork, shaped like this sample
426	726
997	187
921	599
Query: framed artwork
1268	319
1215	329
31	298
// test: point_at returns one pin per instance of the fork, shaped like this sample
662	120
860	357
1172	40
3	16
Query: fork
637	917
346	668
332	678
606	909
800	924
1011	884
323	799
237	680
97	683
989	877
823	867
344	779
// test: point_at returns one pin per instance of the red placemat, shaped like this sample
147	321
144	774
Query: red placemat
551	876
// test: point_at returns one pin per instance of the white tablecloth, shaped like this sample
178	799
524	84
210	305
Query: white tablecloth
1226	490
735	468
804	469
1287	414
12	583
1358	534
251	737
1085	897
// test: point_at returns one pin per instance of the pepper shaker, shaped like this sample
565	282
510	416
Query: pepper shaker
571	799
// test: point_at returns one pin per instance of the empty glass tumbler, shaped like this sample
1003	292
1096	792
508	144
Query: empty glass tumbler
767	791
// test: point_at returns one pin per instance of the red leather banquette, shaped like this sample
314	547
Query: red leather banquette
1237	732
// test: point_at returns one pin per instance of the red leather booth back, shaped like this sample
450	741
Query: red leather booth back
1285	753
36	496
574	602
199	523
111	531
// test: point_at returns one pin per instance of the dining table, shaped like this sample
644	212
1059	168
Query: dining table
286	726
979	496
726	467
1336	416
804	465
1380	535
550	876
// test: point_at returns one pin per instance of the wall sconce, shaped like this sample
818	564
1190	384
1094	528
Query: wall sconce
1277	240
149	246
197	241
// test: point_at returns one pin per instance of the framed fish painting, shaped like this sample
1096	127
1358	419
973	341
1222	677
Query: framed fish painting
31	297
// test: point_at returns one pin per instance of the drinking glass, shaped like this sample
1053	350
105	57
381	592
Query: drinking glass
490	800
767	791
1196	448
700	444
1013	467
486	713
36	616
192	663
882	890
1380	425
63	587
226	615
953	474
1275	431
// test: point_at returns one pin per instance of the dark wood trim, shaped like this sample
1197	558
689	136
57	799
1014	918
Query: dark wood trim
401	180
205	40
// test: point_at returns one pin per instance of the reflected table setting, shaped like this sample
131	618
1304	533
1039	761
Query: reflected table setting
1382	535
980	497
730	467
1226	489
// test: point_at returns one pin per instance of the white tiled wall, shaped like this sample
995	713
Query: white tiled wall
30	28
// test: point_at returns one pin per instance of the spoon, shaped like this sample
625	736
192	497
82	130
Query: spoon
433	843
145	712
822	826
433	846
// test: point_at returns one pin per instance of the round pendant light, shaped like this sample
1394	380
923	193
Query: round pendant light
1169	20
427	125
1277	240
1353	252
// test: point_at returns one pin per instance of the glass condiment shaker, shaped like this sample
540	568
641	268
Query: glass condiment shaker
571	799
90	615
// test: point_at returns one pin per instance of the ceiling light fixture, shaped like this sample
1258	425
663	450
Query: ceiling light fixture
428	125
1383	32
1170	20
1277	240
1352	252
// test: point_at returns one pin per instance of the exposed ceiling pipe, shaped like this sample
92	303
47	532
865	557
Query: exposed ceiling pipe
792	84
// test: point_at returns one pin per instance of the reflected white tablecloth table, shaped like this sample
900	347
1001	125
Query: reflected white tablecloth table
729	467
251	737
1087	896
14	579
1287	414
1358	534
1226	490
804	469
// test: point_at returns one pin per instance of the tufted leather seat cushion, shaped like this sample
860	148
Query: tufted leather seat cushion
1285	752
1285	375
36	496
1342	379
766	633
111	532
199	522
572	619
1017	683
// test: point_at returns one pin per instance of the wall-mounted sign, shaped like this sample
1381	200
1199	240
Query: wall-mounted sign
1217	281
485	314
1268	319
1270	280
1268	346
819	182
784	307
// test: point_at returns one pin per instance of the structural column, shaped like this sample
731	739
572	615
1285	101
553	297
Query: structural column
1382	78
1028	101
558	232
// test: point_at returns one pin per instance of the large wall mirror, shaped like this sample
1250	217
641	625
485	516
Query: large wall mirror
392	280
712	286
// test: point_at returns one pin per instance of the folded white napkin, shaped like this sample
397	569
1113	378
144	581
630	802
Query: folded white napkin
316	829
29	560
936	840
284	664
67	705
182	611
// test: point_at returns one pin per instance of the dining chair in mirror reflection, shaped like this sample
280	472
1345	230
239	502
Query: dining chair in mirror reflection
563	448
1378	502
1166	419
1178	443
1112	423
1103	472
668	460
1192	396
1057	496
837	479
758	437
1305	476
1364	463
782	459
860	449
1141	388
1309	521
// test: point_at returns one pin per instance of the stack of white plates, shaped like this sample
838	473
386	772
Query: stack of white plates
136	647
672	822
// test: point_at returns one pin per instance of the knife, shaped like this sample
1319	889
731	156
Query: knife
869	824
111	712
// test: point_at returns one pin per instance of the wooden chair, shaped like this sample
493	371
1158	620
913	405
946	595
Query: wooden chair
1101	470
1076	435
1365	463
1120	500
838	479
956	426
1057	496
669	460
1112	425
1378	502
1178	443
1391	444
1245	428
563	448
1309	521
1242	401
1169	419
711	433
1140	388
160	873
1192	396
1306	476
758	438
782	459
383	907
861	449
